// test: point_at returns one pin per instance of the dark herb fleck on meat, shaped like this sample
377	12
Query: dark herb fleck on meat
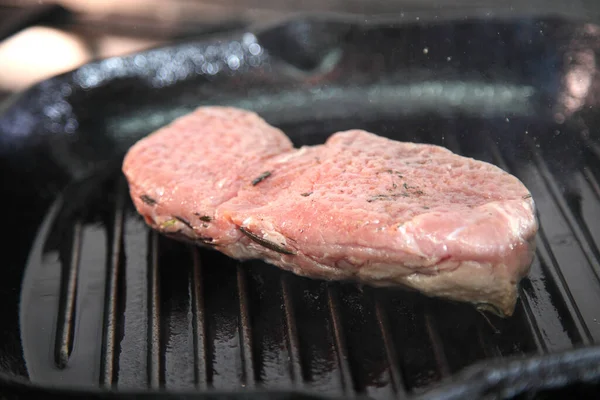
266	243
391	171
261	178
306	194
148	200
425	208
205	218
527	196
184	221
386	197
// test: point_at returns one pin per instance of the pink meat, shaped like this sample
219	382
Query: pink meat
358	207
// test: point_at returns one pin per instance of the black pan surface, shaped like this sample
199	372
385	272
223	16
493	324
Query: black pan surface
521	93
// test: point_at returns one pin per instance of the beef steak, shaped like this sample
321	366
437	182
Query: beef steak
359	207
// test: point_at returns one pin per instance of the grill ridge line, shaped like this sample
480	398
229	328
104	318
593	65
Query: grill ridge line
66	312
595	186
292	332
396	380
111	294
154	364
436	342
589	176
545	253
199	321
340	342
245	329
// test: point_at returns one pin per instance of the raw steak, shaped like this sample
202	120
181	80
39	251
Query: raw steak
359	207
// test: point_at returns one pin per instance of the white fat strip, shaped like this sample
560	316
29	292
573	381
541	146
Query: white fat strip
455	232
271	234
293	154
221	183
247	221
275	237
268	232
411	243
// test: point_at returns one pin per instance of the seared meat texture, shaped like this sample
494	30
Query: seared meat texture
359	207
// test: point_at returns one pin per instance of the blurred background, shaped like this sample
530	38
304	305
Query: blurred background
40	38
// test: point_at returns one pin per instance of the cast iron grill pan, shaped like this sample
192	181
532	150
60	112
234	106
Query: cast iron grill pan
104	302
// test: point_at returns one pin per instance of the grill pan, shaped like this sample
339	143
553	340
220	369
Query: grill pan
98	306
